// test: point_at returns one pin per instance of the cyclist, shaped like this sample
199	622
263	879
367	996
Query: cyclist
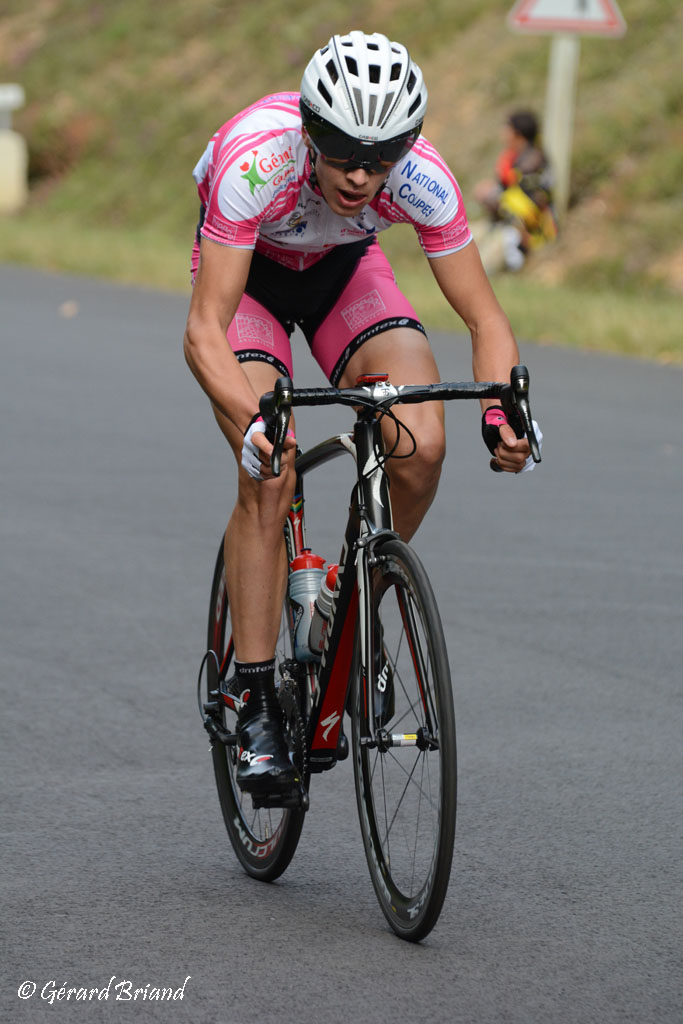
293	192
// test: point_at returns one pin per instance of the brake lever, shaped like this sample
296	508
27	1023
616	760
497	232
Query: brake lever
515	401
276	409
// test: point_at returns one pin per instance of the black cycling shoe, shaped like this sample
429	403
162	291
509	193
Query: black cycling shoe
264	766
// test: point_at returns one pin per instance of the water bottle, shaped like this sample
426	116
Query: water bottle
305	579
321	612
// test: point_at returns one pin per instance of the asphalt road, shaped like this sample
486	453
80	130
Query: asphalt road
561	596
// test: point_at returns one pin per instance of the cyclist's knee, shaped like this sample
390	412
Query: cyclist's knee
431	449
425	465
420	474
421	471
266	502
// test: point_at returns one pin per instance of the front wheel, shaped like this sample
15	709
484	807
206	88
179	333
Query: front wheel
263	839
404	745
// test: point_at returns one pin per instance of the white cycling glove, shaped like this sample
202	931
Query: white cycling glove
251	456
530	464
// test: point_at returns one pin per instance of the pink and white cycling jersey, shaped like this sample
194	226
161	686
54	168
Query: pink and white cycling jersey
253	181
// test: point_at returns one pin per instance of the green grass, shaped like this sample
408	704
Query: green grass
646	324
141	256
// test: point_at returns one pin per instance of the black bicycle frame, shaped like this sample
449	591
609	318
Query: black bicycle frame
369	519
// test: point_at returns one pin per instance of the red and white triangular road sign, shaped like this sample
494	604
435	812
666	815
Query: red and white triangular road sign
587	17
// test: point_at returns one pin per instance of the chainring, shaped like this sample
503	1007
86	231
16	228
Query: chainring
295	729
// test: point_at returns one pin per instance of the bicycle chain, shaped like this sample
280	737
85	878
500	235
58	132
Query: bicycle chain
290	702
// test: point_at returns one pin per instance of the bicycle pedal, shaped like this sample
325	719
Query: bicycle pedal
296	799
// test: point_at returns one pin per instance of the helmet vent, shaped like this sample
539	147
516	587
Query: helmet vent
373	46
388	100
414	105
358	95
374	73
411	82
324	93
395	72
352	66
332	71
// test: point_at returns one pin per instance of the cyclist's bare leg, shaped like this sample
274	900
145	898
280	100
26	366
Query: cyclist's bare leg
255	557
405	354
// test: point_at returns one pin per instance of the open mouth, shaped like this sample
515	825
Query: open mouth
351	198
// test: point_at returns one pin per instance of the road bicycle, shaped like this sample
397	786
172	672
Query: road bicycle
384	663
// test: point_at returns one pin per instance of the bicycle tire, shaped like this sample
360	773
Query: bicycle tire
264	840
406	795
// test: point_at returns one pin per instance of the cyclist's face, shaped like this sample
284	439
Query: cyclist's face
346	190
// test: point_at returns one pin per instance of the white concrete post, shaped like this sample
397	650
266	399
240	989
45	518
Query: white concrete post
13	153
558	122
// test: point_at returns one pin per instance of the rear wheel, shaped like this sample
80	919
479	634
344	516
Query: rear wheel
404	750
264	839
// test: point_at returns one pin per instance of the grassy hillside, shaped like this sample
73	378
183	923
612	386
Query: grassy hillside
123	96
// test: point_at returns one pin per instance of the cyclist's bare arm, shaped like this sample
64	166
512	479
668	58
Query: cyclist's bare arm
219	286
218	289
463	281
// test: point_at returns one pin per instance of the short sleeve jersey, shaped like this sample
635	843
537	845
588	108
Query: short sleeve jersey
254	184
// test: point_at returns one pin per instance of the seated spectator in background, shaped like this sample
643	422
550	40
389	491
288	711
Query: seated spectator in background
519	201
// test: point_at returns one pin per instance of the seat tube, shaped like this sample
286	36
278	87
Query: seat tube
295	527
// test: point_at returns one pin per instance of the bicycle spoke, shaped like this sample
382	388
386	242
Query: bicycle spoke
417	830
398	805
427	796
413	639
385	814
418	664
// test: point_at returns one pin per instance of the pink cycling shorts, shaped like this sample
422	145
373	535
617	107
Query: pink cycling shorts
278	298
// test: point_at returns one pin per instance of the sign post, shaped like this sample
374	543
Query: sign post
566	20
558	118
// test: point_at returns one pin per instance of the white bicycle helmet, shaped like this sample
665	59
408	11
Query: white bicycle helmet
363	89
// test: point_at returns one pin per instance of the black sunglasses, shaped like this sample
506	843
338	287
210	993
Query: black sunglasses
343	151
